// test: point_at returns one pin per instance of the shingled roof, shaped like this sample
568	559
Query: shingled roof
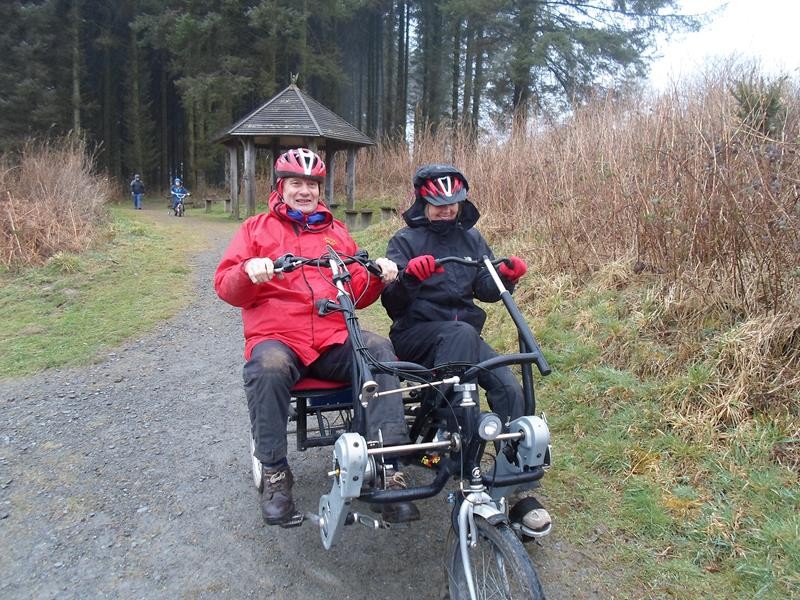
294	113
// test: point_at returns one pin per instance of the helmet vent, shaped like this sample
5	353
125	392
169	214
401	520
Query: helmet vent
306	158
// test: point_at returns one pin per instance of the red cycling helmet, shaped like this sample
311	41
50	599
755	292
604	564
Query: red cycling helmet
300	162
440	184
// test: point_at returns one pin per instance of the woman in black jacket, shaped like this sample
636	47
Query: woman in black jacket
434	316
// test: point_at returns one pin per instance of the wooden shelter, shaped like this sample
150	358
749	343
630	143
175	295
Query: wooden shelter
290	119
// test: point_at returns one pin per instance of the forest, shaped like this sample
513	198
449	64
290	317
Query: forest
148	83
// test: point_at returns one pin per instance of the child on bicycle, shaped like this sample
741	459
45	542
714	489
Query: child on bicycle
434	317
178	193
285	336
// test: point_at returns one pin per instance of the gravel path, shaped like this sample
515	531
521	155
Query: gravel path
131	478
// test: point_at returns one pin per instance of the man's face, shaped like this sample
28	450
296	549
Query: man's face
448	212
301	194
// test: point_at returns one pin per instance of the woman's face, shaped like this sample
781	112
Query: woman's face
448	212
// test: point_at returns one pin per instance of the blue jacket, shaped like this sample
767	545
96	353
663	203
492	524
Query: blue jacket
177	190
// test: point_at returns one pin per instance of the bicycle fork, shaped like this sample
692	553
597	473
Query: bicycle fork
476	501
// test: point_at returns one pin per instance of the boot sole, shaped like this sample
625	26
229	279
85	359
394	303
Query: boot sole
283	519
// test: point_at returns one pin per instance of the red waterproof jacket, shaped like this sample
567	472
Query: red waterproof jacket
285	309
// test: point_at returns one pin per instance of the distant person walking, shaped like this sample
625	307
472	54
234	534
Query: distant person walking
137	191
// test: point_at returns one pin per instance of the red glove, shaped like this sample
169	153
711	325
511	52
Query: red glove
423	267
517	269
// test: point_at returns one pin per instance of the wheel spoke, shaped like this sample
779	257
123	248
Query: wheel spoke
500	566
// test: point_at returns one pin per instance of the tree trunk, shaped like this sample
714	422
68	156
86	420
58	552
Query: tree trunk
402	70
380	76
75	18
390	75
432	58
456	70
163	86
109	105
468	75
135	110
477	82
191	118
519	68
373	53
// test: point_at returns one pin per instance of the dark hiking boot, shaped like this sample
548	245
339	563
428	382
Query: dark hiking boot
277	505
397	512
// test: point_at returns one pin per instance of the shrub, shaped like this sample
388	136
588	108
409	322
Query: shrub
51	201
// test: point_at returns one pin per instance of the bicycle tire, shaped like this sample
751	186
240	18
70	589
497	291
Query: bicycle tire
501	567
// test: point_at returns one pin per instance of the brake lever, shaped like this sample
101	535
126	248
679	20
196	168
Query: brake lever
284	264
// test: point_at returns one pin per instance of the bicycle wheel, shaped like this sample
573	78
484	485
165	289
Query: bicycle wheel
501	568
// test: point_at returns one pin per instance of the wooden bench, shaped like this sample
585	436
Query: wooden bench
210	200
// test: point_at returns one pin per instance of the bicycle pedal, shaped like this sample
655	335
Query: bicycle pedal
366	520
294	521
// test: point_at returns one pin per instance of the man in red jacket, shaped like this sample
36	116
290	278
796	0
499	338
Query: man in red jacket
286	338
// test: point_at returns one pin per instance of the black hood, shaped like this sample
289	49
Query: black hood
415	216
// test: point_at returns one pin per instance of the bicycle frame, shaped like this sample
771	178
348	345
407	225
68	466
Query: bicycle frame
454	410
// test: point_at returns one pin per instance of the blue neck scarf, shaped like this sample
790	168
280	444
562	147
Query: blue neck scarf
300	217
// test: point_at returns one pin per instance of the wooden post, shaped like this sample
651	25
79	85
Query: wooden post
275	153
233	162
329	179
350	179
250	176
350	219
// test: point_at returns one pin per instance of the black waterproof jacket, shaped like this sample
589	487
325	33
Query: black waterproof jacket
444	296
137	186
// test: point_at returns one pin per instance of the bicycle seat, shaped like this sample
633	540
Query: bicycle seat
317	398
312	385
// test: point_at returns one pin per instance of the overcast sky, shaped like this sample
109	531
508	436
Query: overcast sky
766	30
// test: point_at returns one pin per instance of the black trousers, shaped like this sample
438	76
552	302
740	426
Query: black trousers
436	342
274	368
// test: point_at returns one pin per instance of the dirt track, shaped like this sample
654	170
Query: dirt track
131	479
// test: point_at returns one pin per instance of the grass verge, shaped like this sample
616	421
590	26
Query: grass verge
675	508
78	306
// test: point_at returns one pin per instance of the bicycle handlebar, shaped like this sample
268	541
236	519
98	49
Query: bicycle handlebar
289	262
525	333
470	262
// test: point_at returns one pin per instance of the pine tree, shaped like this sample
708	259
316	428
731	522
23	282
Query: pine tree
140	154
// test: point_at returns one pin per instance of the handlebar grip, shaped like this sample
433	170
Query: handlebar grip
468	261
373	268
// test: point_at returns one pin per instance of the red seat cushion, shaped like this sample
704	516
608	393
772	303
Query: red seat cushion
308	384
